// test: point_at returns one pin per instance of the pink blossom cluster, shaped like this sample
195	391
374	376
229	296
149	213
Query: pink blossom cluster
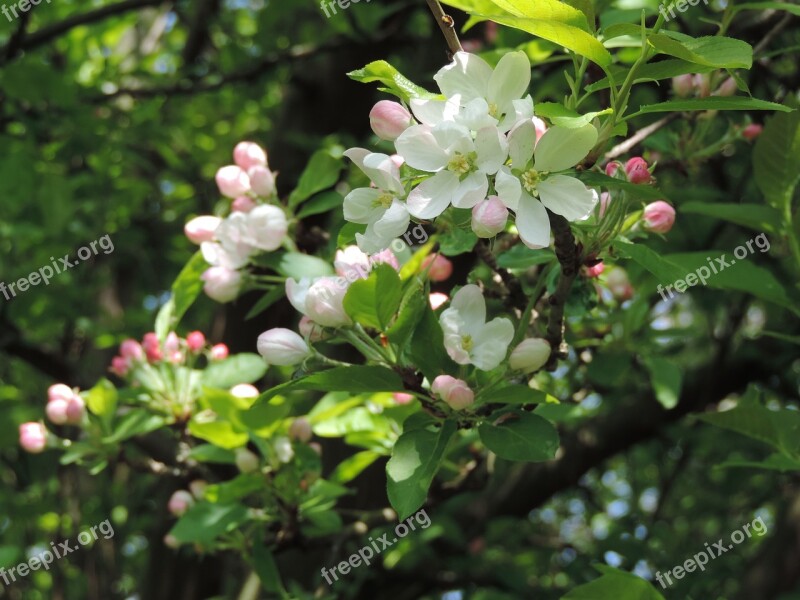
65	406
174	350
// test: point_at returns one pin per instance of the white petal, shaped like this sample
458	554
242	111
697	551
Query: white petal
475	115
452	324
383	172
491	343
523	110
468	76
521	141
453	138
393	223
433	112
471	190
510	80
296	292
561	148
421	150
471	306
492	149
567	196
533	223
359	205
430	198
509	188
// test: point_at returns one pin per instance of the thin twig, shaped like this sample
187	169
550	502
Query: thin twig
447	25
638	137
515	295
765	41
569	258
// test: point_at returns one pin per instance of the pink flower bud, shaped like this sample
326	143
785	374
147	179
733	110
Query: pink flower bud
311	331
612	168
232	181
131	350
605	201
282	347
385	257
262	181
530	355
32	437
437	299
171	542
243	204
59	391
324	302
389	119
201	229
245	390
198	488
619	285
659	217
440	267
180	502
454	392
636	170
489	217
246	461
540	126
702	84
249	154
221	284
683	85
752	131
595	271
172	344
219	352
196	341
152	347
56	411
300	430
76	409
727	88
402	398
398	160
120	366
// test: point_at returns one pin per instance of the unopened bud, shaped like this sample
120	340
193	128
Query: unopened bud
636	170
530	355
300	430
439	268
752	131
489	217
232	181
389	119
659	217
180	502
196	341
32	437
249	154
201	229
246	461
455	392
282	347
262	181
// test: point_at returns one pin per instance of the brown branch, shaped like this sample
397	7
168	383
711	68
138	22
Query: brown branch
15	43
638	137
514	294
767	39
569	258
447	25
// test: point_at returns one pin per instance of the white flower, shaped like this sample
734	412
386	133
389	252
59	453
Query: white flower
477	95
321	300
379	208
461	165
241	235
282	347
468	338
351	263
529	187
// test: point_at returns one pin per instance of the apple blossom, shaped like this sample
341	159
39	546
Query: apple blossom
389	119
32	437
283	449
262	181
619	285
131	350
385	257
120	366
402	398
56	411
76	409
245	390
320	300
438	267
636	170
530	355
232	181
595	270
180	502
683	85
605	201
196	341
171	542
468	338
201	229
310	330
489	217
221	284
249	154
437	299
282	347
726	88
455	392
152	347
300	430
352	263
242	204
658	217
219	352
59	391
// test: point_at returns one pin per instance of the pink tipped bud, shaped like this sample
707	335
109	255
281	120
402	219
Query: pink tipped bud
402	398
659	217
612	168
201	229
219	352
221	284
595	271
32	437
131	350
385	257
530	355
455	392
489	217
540	126
243	204
172	344
636	170
440	267
232	181
282	347
727	88
248	155
437	299
246	461
683	85
325	302
152	347
311	331
389	119
752	131
56	411
198	488
196	341
619	285
120	366
262	181
180	502
300	430
76	410
702	84
245	390
59	391
605	201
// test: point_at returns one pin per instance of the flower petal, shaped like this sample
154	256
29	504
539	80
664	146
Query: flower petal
491	343
394	221
509	188
296	292
360	205
510	80
521	141
567	196
533	223
475	115
471	306
383	172
492	149
523	109
420	149
561	148
430	198
468	76
453	138
433	112
471	190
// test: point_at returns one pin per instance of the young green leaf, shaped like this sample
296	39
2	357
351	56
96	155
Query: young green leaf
521	437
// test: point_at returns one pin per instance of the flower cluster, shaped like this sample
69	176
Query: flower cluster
479	148
174	350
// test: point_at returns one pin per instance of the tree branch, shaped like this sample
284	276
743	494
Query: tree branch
447	25
638	137
569	257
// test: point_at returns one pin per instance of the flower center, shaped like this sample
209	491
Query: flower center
493	109
384	200
467	343
530	179
461	164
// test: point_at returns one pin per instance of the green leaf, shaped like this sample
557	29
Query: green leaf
774	462
427	347
165	319
411	310
544	10
656	71
357	379
321	173
220	433
523	437
136	422
298	265
187	287
516	394
563	117
353	466
321	203
776	159
209	453
665	271
752	216
614	585
710	103
711	51
394	81
666	378
415	460
204	522
267	300
267	569
102	400
457	241
241	368
522	257
633	190
374	301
